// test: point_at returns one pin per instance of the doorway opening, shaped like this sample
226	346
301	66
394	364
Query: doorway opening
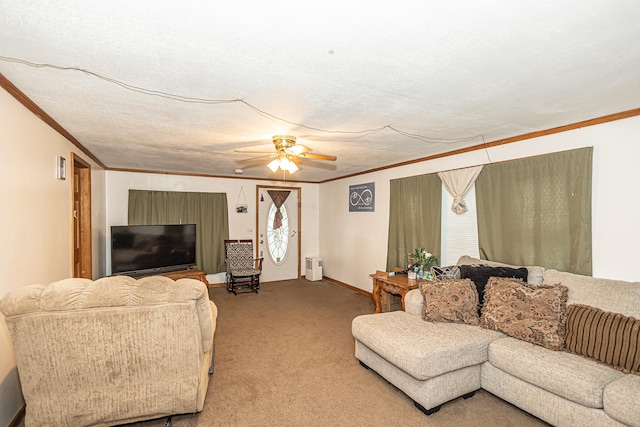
81	217
279	245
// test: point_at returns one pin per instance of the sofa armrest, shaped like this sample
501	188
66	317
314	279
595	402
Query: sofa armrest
413	302
208	323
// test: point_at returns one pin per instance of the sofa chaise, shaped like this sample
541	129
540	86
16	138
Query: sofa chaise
435	362
111	351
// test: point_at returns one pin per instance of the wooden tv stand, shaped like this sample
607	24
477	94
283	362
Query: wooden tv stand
183	274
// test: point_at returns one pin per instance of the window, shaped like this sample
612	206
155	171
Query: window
531	211
278	239
459	232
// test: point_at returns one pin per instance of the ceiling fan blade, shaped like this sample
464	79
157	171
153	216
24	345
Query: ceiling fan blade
318	156
298	149
251	159
308	163
252	151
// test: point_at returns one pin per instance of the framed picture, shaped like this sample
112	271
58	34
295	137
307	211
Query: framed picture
362	198
61	168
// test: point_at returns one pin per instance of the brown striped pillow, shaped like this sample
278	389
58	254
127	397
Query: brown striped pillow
610	338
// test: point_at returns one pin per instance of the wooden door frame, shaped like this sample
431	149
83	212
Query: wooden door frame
84	173
281	187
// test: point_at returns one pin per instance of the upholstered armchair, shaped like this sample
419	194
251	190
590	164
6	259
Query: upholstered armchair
111	351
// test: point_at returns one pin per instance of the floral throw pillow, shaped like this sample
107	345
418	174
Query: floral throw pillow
536	314
480	275
452	301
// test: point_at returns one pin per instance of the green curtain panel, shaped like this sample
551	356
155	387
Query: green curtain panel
414	217
207	210
537	211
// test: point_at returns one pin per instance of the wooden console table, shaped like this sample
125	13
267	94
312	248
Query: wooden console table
398	284
184	274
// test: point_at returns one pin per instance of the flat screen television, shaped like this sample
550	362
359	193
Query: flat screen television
146	249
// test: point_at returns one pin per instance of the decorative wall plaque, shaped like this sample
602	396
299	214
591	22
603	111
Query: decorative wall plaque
362	197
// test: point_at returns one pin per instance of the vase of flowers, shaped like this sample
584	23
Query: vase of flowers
421	262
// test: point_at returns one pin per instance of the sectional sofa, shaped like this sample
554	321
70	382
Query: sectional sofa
590	378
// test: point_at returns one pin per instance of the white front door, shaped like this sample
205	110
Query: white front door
279	247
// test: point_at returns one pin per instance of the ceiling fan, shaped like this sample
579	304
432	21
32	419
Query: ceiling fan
288	154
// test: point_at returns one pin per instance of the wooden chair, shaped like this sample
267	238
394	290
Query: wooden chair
243	270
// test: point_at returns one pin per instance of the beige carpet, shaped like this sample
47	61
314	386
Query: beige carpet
285	357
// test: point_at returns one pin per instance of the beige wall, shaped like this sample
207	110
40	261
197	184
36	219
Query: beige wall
119	184
35	219
361	248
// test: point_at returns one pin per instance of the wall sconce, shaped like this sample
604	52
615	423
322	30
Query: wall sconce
61	167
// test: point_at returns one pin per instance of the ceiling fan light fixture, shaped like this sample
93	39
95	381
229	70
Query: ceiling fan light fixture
274	165
288	165
288	154
292	167
283	163
283	142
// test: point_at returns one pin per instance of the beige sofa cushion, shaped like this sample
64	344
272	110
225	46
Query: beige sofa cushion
621	399
610	295
422	349
570	376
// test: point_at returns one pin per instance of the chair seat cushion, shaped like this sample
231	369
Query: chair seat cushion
570	376
242	272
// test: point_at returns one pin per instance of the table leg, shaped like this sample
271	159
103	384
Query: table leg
376	295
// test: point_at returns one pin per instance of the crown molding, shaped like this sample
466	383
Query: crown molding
40	113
